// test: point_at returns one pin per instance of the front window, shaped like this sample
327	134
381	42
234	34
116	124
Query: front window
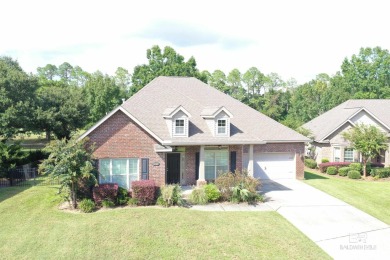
336	154
216	162
348	155
121	171
221	126
179	126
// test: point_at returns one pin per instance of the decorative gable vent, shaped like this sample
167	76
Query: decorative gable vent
177	120
218	120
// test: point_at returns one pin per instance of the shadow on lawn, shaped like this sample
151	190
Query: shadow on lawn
313	176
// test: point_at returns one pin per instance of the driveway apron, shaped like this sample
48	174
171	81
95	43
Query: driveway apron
341	230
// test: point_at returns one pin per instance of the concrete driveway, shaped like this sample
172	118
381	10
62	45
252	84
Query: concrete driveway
341	230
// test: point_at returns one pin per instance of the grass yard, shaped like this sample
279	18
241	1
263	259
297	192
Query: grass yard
33	228
370	196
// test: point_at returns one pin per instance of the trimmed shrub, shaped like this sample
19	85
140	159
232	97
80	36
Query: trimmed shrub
227	181
324	166
324	160
199	196
310	163
87	206
132	202
344	171
105	191
108	203
356	167
144	191
212	192
170	195
123	196
241	194
353	174
331	170
380	172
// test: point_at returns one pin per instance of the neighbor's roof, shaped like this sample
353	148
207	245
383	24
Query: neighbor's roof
323	125
164	94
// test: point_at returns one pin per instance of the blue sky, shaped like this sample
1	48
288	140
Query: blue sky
297	39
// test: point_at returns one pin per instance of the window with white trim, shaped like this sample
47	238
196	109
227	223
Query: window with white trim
216	163
336	154
348	155
121	171
179	127
221	127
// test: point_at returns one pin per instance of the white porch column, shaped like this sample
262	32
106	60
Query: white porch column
250	163
201	179
387	157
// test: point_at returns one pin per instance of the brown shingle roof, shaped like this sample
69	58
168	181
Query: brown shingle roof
326	123
247	125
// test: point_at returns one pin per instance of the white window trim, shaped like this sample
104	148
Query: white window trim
215	162
225	127
127	170
334	154
353	154
175	133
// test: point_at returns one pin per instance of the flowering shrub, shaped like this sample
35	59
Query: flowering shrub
144	191
108	191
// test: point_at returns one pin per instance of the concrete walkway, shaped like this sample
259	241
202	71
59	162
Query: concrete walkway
341	230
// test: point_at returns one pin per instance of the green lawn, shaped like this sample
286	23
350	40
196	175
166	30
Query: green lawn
373	197
33	228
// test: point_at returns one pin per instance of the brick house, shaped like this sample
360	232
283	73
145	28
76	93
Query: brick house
327	129
181	130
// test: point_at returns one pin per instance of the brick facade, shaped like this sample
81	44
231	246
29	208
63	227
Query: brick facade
120	137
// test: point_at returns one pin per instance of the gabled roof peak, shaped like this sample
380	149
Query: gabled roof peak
169	112
212	112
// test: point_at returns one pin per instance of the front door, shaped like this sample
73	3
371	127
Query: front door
173	168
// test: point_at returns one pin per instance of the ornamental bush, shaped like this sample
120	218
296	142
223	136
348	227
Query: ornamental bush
212	192
108	203
227	181
356	167
380	172
324	166
353	174
170	195
144	191
344	171
310	163
104	191
123	196
87	206
199	196
324	160
331	170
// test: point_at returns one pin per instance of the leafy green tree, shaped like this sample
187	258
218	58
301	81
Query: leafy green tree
16	97
254	81
163	63
123	80
218	80
102	95
60	110
10	156
49	72
65	72
70	162
368	140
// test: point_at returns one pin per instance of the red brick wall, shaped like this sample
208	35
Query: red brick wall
189	171
120	137
297	148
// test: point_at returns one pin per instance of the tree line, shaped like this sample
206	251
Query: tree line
61	99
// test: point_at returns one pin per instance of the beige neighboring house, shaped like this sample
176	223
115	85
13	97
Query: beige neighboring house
327	129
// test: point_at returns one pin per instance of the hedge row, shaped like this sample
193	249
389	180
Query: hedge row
380	172
323	166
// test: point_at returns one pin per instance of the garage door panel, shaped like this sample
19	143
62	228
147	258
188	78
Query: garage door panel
274	165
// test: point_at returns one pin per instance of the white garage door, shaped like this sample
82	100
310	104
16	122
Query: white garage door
274	165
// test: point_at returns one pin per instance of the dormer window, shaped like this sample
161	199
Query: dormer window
222	129
179	127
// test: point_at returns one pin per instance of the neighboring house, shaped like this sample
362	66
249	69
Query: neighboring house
181	130
327	129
